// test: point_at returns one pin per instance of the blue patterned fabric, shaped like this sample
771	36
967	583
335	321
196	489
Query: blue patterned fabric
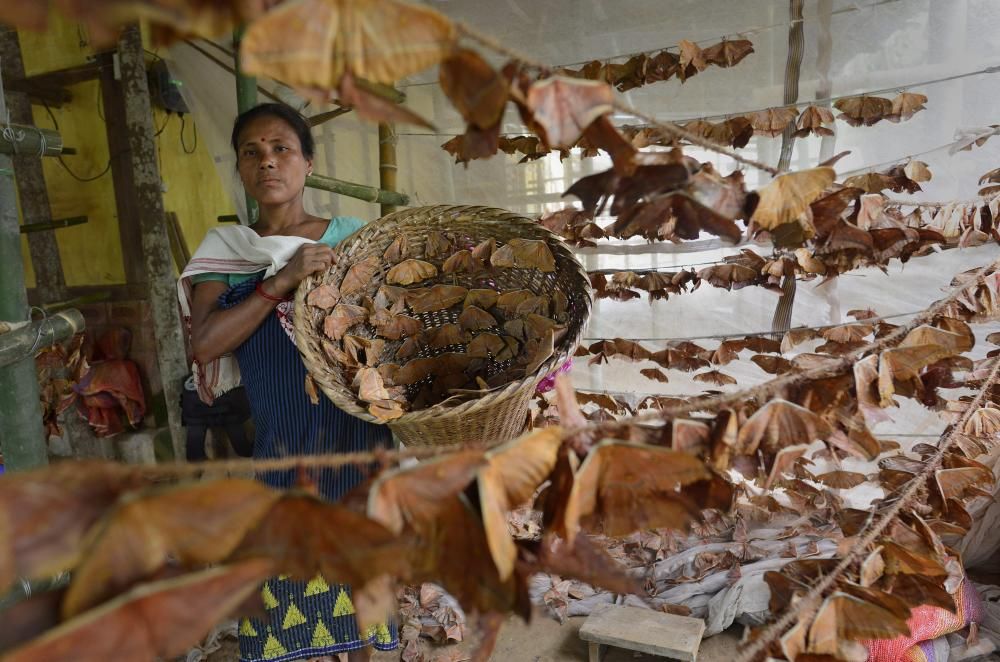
305	619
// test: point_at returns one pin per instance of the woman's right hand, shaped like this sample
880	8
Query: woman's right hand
308	259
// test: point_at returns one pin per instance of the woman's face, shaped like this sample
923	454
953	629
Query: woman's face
270	161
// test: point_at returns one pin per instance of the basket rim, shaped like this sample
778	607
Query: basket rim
343	398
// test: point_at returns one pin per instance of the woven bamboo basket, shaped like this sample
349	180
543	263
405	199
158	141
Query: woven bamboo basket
496	416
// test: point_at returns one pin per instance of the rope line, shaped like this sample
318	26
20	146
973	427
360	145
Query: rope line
808	605
703	403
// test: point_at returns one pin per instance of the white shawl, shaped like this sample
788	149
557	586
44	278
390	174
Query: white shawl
231	249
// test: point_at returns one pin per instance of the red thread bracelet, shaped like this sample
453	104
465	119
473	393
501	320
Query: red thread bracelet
260	290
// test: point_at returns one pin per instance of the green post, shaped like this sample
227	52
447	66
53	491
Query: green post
22	437
246	98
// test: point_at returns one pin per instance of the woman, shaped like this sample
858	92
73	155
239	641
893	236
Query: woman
237	290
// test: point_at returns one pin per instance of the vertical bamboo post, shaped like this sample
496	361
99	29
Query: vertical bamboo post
170	352
782	319
387	162
246	98
22	437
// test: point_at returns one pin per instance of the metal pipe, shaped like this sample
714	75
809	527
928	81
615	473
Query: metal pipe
23	342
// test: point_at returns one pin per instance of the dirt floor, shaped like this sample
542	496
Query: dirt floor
544	640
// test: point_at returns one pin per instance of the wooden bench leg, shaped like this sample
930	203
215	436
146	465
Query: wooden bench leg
595	649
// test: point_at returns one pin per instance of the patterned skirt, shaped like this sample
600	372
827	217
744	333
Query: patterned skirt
315	618
308	619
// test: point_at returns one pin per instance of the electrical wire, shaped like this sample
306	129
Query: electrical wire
799	104
711	40
183	143
84	179
165	123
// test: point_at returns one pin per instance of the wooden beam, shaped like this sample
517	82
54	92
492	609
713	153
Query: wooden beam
50	87
119	151
170	351
29	228
79	294
178	244
34	197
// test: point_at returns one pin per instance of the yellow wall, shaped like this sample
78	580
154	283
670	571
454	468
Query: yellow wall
91	253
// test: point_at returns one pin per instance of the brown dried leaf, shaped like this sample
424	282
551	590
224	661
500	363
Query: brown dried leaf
461	261
512	474
360	276
654	374
396	327
474	318
774	365
142	534
436	297
484	299
788	196
325	296
158	620
714	377
728	53
563	107
691	59
524	254
813	119
410	271
343	317
772	122
446	335
372	387
841	479
778	424
863	110
310	44
477	91
415	496
66	498
398	250
906	105
615	487
844	620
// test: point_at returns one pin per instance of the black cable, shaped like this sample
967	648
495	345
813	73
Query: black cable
84	179
72	174
183	144
165	123
100	103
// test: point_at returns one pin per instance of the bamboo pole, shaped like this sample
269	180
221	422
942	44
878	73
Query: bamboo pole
387	162
170	352
28	139
24	341
22	437
782	319
359	191
246	98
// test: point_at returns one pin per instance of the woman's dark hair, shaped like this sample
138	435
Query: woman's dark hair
284	112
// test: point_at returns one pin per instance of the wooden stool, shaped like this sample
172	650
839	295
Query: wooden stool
643	630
